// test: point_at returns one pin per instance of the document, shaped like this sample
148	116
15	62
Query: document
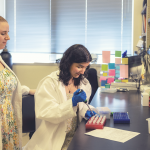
113	134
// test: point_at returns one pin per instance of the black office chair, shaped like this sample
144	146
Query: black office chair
28	114
92	77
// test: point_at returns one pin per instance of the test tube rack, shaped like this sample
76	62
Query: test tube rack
121	117
96	122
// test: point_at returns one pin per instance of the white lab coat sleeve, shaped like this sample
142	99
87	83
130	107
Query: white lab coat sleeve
25	90
48	105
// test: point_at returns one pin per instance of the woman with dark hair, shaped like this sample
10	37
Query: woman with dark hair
58	99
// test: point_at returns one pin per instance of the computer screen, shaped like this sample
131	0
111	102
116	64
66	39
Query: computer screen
135	67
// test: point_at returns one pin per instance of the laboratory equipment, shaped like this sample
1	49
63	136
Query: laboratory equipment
86	102
144	99
148	119
108	90
104	111
121	117
96	122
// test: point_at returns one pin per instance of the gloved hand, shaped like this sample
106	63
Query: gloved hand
78	97
89	114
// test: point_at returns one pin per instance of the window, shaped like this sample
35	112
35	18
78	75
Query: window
51	26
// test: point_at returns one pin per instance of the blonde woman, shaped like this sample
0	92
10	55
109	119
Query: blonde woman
11	93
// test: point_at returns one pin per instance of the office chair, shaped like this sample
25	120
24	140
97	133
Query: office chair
28	114
92	77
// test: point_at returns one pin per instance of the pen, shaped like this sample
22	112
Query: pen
86	102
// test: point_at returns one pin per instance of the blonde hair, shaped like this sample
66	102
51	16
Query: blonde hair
2	19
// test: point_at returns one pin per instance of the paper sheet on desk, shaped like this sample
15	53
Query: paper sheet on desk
113	134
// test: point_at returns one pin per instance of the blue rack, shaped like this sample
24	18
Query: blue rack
121	117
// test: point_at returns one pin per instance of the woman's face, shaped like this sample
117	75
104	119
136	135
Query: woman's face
4	29
78	68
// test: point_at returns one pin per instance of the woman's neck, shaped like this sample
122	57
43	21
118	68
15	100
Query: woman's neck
70	81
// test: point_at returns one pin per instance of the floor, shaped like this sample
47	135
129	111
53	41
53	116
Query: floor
25	138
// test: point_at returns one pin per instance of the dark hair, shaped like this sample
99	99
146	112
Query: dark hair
75	54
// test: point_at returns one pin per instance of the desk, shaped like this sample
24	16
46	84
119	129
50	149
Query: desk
120	101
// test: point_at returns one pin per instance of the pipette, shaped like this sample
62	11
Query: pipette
86	102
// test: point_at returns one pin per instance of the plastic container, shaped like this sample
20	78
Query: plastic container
148	119
108	90
104	111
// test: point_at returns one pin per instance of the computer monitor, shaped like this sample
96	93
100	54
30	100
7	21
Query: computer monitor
135	67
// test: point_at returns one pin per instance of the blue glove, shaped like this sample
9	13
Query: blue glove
89	114
78	97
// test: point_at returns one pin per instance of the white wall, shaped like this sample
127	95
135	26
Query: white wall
2	8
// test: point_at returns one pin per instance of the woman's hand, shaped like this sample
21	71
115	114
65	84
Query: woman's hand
89	114
78	97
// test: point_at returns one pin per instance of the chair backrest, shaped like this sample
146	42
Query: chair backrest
92	77
28	114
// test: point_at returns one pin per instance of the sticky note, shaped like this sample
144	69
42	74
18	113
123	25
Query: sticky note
124	60
111	65
105	56
102	78
124	71
117	53
117	67
117	71
117	75
112	72
117	60
104	67
125	80
104	74
117	80
103	82
109	80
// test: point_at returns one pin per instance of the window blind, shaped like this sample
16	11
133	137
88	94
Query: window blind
51	26
109	25
29	22
68	24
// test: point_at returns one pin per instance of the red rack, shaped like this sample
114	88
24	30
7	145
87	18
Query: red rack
96	122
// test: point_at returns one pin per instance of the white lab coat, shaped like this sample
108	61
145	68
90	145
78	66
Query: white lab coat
52	106
17	105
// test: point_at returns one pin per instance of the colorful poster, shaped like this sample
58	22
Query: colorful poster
117	71
117	53
124	71
117	75
118	67
102	78
111	65
112	72
109	80
117	60
105	56
125	61
103	82
104	74
104	67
